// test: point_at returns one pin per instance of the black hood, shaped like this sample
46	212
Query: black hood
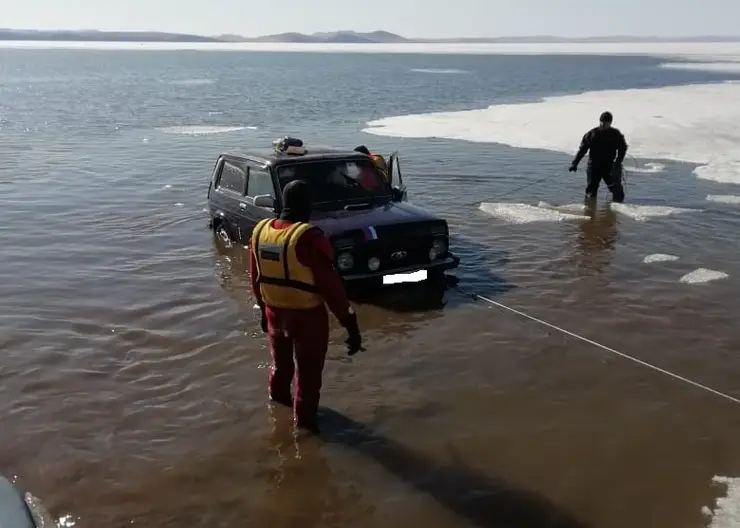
297	202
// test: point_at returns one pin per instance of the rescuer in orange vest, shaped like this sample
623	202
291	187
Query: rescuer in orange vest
293	277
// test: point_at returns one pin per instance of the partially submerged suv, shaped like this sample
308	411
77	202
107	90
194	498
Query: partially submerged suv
374	230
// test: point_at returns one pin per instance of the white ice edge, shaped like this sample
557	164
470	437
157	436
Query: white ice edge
695	124
726	511
694	51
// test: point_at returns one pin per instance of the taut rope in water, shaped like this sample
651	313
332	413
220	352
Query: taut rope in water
599	345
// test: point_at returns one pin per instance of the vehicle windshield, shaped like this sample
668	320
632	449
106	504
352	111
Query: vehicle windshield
338	182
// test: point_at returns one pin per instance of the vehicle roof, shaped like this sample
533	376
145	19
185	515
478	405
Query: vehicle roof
268	156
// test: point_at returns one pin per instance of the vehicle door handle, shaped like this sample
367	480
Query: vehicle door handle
242	206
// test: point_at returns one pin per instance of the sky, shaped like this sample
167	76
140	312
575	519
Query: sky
411	18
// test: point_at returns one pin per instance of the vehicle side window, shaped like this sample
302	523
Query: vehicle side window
233	177
260	182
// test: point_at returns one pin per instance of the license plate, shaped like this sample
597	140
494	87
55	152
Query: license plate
416	276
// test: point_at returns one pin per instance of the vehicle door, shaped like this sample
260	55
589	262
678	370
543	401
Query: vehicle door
259	202
228	193
396	178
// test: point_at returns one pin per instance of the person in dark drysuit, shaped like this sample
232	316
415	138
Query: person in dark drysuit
291	265
607	148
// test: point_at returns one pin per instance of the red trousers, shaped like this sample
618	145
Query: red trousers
299	340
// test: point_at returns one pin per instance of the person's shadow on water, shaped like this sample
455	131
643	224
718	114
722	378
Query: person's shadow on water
482	501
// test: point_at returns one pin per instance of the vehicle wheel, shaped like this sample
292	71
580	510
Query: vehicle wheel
221	230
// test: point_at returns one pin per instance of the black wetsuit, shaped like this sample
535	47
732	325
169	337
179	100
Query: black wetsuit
607	149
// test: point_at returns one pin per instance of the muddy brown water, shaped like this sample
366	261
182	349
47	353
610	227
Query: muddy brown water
133	374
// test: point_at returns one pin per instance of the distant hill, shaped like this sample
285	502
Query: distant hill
91	35
336	37
333	37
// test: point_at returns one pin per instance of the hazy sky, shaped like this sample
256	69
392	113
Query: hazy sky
414	18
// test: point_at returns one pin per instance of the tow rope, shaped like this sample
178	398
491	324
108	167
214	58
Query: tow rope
599	345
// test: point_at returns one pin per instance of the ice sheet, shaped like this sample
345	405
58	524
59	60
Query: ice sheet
695	124
694	51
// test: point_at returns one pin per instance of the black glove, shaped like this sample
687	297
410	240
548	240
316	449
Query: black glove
573	168
263	318
354	340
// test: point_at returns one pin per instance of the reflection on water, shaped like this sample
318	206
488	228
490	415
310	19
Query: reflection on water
596	239
302	488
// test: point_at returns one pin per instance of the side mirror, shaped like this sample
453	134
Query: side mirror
397	194
264	200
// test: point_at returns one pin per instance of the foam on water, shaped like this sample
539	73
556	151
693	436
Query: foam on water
197	130
645	212
659	257
434	70
519	213
694	124
726	513
702	276
649	168
724	198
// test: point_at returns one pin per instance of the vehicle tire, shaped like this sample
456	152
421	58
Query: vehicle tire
222	232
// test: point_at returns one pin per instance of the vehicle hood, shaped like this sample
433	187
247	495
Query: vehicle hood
337	222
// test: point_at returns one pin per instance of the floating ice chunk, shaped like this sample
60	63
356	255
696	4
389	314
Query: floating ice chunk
193	82
720	67
703	275
659	257
197	130
435	70
726	513
649	168
644	212
518	213
724	198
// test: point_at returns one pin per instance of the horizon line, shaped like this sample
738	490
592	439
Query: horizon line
351	31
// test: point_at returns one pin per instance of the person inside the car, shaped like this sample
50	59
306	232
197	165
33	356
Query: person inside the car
377	159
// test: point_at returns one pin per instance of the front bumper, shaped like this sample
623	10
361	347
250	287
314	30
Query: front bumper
448	263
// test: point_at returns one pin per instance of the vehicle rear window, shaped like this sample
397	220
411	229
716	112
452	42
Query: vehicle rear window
233	177
337	180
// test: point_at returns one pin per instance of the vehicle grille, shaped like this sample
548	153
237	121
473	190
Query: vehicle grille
397	246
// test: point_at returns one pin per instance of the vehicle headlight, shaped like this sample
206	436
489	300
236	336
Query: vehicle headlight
345	261
373	263
439	248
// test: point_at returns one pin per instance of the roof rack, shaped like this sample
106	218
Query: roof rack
289	145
